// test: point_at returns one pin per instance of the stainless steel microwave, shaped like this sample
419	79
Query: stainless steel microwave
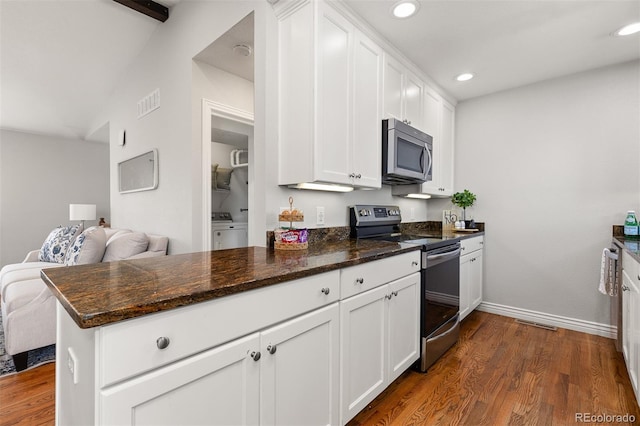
406	154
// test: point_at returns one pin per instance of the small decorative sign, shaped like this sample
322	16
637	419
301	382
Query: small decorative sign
449	218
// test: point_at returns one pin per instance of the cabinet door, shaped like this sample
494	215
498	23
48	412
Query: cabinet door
363	331
404	324
393	89
446	146
413	100
439	123
333	141
630	328
432	112
229	238
367	113
465	284
433	121
475	281
300	371
220	387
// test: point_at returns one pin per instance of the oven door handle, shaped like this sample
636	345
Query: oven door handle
443	256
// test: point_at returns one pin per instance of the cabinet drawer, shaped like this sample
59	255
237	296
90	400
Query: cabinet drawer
471	244
130	347
359	278
631	267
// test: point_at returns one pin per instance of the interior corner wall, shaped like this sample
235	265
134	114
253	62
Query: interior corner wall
39	177
554	166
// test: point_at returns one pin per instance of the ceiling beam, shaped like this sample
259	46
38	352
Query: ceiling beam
148	7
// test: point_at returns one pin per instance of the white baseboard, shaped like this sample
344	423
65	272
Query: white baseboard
589	327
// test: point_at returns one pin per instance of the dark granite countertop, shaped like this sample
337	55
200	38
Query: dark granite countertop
104	293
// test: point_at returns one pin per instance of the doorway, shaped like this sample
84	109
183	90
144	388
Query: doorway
224	72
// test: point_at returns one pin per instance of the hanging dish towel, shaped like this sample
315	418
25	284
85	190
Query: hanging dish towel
608	273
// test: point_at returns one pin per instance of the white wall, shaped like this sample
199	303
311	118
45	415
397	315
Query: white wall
220	86
554	166
39	177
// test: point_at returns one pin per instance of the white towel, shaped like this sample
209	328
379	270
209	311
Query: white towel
607	275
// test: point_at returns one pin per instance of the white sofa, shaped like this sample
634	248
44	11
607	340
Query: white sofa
29	308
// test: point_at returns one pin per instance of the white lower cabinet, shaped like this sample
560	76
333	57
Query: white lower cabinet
471	275
287	374
220	387
300	370
631	318
287	354
380	332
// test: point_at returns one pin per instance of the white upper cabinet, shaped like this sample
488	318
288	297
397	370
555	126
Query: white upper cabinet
330	99
403	94
367	111
439	122
440	116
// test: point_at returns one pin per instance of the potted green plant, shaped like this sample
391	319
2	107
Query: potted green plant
463	199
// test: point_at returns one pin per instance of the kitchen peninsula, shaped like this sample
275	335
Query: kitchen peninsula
229	337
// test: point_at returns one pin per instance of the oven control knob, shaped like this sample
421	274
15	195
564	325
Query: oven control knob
364	212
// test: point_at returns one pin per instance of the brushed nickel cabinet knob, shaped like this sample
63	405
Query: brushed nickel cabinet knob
163	342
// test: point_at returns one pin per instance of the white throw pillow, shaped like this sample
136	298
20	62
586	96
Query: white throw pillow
88	248
54	248
126	245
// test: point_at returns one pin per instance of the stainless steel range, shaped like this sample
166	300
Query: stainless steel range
440	276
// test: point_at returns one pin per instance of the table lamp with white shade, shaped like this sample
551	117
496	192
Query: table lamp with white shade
82	212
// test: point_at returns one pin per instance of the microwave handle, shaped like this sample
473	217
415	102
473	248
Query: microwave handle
426	148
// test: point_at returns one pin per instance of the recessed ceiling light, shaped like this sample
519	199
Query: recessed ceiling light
464	76
628	29
405	8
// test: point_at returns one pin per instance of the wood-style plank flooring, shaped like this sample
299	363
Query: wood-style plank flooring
505	373
499	373
28	398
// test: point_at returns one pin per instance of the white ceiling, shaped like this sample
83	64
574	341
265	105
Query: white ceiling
506	43
60	59
221	52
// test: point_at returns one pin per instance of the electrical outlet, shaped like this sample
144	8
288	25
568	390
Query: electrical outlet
72	363
319	215
413	213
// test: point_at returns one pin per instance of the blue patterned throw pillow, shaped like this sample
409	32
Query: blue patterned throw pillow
57	243
88	247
